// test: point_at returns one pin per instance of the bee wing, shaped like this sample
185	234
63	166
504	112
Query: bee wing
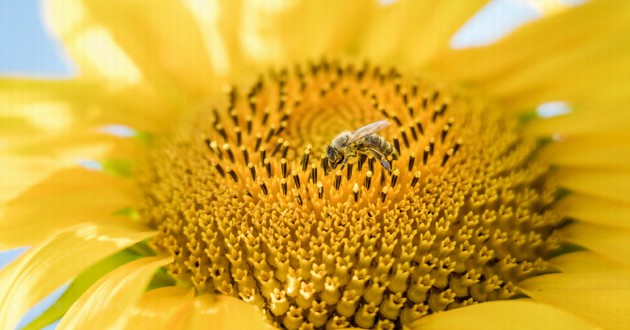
368	129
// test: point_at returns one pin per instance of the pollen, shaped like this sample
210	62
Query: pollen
246	205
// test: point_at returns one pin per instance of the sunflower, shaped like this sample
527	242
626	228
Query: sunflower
207	192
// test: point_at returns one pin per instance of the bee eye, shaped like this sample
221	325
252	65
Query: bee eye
330	152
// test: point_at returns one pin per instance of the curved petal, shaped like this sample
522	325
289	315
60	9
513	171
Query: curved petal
108	304
587	262
49	265
162	45
607	241
602	298
506	314
66	198
585	58
592	152
602	121
157	306
611	184
219	312
595	210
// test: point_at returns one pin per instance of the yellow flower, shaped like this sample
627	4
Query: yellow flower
219	207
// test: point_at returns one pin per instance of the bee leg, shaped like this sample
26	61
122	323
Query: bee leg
382	159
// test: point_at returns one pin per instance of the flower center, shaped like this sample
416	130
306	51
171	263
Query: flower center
248	204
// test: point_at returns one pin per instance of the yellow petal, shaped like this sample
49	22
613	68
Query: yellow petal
589	151
65	198
517	314
109	303
612	184
17	174
587	262
584	54
157	306
603	120
596	210
607	241
162	45
58	106
601	298
219	312
49	265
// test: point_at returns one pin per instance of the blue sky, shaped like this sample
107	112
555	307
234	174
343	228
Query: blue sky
27	49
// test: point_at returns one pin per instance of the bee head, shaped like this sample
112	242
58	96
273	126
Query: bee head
334	158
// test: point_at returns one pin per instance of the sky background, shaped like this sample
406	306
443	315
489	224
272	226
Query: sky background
28	49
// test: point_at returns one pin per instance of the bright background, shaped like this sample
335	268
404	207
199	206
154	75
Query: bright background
27	49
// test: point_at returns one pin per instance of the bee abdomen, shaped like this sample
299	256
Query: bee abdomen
379	143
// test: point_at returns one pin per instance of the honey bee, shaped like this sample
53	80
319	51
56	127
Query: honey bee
348	144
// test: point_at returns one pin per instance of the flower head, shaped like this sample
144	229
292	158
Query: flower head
226	207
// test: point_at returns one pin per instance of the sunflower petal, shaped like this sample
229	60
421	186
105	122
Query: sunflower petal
601	298
79	285
49	265
506	314
587	262
612	184
593	152
157	306
141	41
65	198
607	241
596	210
609	123
580	61
108	304
219	312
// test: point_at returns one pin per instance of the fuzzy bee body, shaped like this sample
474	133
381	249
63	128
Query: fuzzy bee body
363	141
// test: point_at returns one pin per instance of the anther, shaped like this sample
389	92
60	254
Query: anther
405	98
396	144
414	89
458	144
285	149
360	163
263	156
265	116
368	179
305	156
283	167
252	170
397	120
425	155
349	171
277	147
431	146
245	153
283	126
219	128
270	134
413	132
320	190
403	134
296	179
313	173
355	192
234	117
412	160
228	150
324	165
219	169
263	186
249	122
298	198
233	174
371	162
416	178
444	132
283	185
410	110
337	179
252	104
394	178
447	155
419	127
239	135
384	194
267	164
214	147
258	142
